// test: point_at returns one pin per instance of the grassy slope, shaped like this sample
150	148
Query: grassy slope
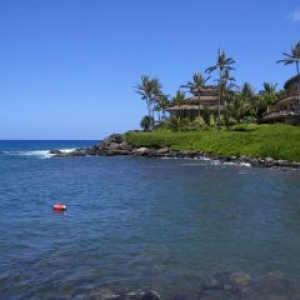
277	141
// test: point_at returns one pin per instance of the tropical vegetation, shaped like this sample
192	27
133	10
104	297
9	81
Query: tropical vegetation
223	65
278	141
149	89
293	58
240	104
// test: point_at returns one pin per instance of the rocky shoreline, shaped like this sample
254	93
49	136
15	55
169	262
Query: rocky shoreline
116	144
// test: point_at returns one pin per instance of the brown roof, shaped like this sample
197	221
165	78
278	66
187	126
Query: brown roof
291	81
286	100
200	99
274	115
204	90
289	98
189	107
181	107
279	115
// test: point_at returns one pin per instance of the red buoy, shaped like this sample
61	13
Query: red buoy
59	207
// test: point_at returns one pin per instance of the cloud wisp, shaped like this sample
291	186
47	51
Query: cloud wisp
295	15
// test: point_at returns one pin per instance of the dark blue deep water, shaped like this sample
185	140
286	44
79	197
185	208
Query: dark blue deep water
188	229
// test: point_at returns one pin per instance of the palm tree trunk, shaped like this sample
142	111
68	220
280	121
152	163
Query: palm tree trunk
149	113
219	105
298	84
219	96
199	112
152	121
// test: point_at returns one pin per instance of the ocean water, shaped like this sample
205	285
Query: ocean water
188	229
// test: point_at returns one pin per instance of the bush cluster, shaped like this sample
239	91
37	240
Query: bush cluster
277	141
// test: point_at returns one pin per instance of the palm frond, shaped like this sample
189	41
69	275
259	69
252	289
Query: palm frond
211	69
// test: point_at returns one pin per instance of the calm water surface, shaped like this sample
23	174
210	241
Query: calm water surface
174	226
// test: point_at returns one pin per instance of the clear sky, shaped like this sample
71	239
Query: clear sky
68	67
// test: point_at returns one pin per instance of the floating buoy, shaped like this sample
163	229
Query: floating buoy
59	207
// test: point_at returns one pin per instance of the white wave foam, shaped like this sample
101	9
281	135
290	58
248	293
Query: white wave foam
216	162
36	153
205	158
67	150
245	164
241	164
39	153
193	164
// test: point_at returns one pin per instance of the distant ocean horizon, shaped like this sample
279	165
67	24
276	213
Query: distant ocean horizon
185	228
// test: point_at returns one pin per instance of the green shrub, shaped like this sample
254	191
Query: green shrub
231	121
198	124
212	121
244	127
277	141
249	120
220	121
146	123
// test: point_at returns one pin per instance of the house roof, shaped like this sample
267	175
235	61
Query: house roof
291	81
204	90
205	99
189	107
283	115
286	100
273	116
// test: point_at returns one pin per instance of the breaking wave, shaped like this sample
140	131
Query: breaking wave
34	153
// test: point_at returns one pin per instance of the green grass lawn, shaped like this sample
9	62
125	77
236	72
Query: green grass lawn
276	141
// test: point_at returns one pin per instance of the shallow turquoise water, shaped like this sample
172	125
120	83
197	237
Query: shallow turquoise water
140	223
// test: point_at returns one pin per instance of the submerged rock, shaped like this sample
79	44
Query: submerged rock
136	296
101	294
222	285
240	278
105	294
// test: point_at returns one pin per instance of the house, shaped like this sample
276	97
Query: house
206	99
287	108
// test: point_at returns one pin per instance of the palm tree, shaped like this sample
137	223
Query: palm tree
223	65
247	92
197	85
265	99
293	58
247	95
225	85
238	108
270	88
149	89
179	99
269	94
260	106
163	103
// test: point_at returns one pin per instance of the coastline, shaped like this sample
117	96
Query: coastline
117	144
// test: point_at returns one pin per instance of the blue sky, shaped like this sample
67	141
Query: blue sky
68	67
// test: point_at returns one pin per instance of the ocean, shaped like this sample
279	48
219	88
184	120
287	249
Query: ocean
187	229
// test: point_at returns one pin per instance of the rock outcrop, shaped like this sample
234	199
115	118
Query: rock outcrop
105	294
116	144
